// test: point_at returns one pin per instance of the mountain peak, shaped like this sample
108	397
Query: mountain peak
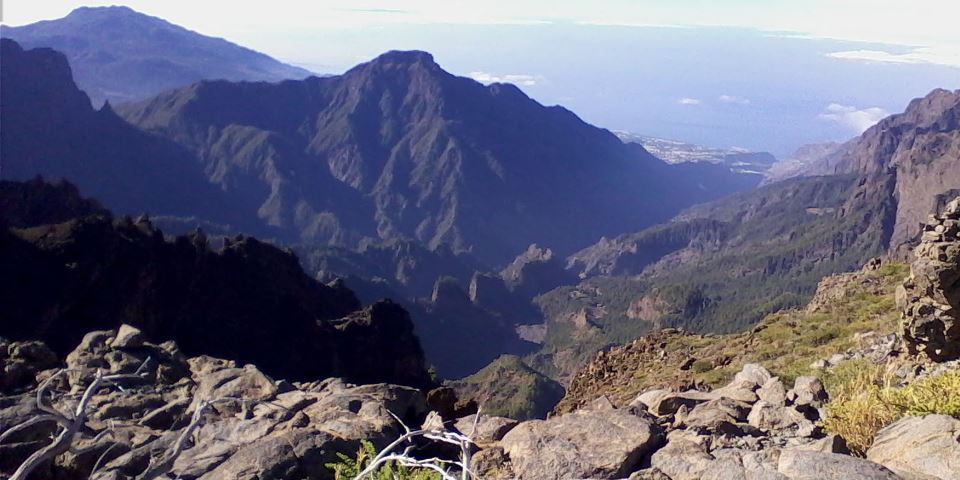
406	56
105	9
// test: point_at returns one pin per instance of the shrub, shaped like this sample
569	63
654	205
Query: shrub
702	366
863	401
348	468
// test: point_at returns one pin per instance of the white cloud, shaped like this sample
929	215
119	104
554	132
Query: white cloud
856	119
939	55
517	79
733	99
689	101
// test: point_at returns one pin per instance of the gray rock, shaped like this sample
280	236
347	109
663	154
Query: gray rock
809	465
167	416
648	398
770	417
224	381
669	403
682	459
808	392
754	374
582	444
295	454
740	393
915	446
773	392
828	444
719	416
488	429
127	337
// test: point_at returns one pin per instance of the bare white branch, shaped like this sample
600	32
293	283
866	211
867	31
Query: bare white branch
463	442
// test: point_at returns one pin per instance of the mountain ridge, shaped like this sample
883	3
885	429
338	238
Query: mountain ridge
432	156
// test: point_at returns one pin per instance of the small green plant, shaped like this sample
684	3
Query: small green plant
348	468
863	400
702	366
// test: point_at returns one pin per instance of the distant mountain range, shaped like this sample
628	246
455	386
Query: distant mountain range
397	148
120	55
721	266
410	182
674	151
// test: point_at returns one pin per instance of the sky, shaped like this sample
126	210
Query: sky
759	74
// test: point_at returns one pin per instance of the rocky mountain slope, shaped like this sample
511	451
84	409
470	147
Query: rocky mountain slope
509	388
399	148
248	301
912	156
121	55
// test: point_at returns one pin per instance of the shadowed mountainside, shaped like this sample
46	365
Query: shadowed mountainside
247	301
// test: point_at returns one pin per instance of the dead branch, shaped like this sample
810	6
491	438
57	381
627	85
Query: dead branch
70	425
463	442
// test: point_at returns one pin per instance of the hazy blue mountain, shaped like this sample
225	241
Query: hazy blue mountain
120	55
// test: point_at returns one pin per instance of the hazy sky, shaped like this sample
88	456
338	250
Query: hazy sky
761	74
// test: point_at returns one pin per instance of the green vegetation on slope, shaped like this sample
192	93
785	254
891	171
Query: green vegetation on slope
778	242
785	342
510	388
864	400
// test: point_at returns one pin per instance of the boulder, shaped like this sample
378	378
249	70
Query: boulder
488	429
773	392
216	380
917	446
20	362
720	415
808	392
582	444
492	464
771	417
741	392
648	398
753	374
669	403
682	459
810	465
686	457
127	337
295	454
828	444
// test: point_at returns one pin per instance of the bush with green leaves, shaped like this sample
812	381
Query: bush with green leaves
348	468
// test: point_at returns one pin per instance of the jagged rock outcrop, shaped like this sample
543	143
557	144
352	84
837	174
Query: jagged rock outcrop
535	271
930	298
248	301
256	427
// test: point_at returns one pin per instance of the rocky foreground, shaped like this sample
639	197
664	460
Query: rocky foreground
202	417
230	421
119	407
